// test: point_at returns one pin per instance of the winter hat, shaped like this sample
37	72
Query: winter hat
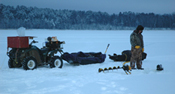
139	27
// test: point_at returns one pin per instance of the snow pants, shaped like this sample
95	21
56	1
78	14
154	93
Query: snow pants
136	57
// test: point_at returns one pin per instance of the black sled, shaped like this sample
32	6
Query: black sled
125	56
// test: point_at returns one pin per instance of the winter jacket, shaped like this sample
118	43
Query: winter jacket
136	39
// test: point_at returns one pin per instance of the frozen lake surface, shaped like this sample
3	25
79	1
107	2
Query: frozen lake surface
85	79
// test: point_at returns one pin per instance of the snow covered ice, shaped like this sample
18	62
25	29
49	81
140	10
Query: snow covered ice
85	79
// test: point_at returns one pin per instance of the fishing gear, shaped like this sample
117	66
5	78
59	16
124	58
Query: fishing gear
126	68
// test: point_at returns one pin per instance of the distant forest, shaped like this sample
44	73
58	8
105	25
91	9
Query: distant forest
45	18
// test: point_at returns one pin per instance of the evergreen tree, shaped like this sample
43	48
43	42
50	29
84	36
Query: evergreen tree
45	18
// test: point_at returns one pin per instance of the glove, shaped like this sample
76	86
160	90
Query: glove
142	49
137	47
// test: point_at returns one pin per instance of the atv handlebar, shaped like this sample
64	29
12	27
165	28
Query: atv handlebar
33	42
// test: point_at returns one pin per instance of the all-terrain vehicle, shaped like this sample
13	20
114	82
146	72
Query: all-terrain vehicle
28	56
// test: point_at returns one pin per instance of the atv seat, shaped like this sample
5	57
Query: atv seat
54	44
44	50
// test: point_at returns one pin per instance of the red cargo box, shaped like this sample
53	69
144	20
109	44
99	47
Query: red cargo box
18	42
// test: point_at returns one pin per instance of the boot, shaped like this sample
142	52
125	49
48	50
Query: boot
140	68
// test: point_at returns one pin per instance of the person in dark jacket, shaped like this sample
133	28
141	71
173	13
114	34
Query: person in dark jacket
137	47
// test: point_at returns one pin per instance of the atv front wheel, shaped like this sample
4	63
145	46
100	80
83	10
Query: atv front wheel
29	63
56	61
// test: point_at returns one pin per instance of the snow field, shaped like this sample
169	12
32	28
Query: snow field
85	79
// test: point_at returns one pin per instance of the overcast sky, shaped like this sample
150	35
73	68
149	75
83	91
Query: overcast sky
109	6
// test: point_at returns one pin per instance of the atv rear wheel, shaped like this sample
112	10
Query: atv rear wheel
56	61
13	64
29	63
10	63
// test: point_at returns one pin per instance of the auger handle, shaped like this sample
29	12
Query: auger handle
107	48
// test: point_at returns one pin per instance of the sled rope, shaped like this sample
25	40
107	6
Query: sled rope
125	57
2	63
125	62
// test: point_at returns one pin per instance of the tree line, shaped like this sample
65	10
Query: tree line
45	18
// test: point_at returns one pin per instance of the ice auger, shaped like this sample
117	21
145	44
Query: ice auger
126	68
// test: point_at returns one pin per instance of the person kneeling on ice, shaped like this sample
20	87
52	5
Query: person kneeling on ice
137	47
